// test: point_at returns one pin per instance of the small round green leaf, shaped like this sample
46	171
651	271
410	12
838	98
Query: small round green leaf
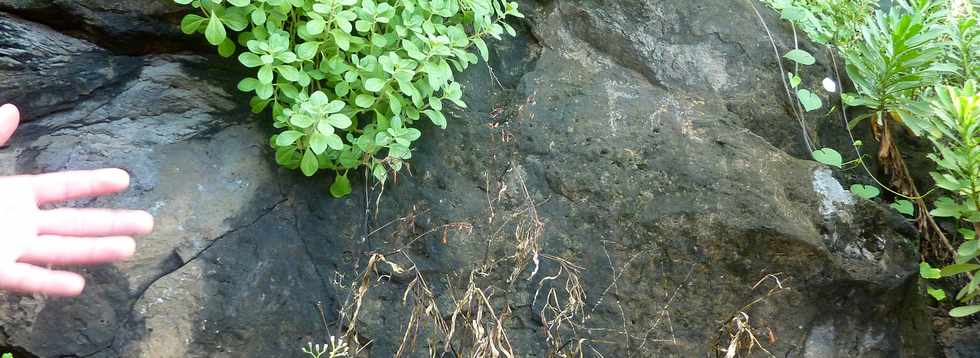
250	60
334	142
265	90
335	106
248	84
288	138
904	207
227	48
794	80
301	120
928	272
318	99
259	16
364	100
318	142
436	117
810	101
191	23
310	164
968	248
865	191
800	57
307	50
265	74
215	32
290	73
828	156
339	120
374	84
340	187
315	26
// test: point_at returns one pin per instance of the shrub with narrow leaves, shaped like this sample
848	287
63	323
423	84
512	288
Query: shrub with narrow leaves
950	118
349	81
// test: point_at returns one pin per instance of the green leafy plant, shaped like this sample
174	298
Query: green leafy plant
800	11
915	66
951	120
899	55
910	68
963	42
865	191
7	355
825	21
349	81
904	206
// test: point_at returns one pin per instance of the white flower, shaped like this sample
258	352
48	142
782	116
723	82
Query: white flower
829	85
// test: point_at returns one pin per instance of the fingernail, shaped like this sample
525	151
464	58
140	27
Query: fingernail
9	108
116	176
146	222
69	284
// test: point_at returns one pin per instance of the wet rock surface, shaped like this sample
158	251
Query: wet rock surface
629	161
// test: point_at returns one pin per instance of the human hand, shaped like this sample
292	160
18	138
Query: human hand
31	238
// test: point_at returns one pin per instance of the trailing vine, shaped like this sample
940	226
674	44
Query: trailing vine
913	67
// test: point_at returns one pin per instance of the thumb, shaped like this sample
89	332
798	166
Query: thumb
9	116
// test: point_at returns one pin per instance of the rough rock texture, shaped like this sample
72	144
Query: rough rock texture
60	72
638	147
138	26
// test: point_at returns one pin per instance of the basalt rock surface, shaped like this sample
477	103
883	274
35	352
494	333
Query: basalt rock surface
629	163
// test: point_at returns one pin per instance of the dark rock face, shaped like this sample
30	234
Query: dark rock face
46	72
624	160
133	27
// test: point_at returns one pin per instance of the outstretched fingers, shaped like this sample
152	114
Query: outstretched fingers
26	278
94	222
9	116
60	250
63	186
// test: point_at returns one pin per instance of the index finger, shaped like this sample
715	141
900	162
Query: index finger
63	186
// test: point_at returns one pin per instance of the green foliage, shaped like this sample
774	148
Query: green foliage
964	311
865	191
963	42
936	293
950	118
829	157
916	63
919	61
928	272
825	21
810	101
7	355
801	57
899	55
348	81
904	207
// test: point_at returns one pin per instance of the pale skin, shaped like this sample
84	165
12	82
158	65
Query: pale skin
32	239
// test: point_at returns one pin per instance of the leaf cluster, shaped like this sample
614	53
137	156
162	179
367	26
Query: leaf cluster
919	61
829	22
349	81
950	118
900	53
